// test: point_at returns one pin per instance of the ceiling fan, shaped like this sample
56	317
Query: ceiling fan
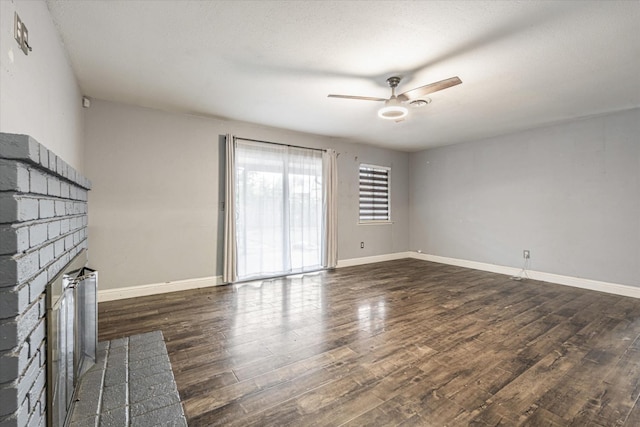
393	107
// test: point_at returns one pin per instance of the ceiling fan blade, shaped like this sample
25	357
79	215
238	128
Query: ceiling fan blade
430	88
362	98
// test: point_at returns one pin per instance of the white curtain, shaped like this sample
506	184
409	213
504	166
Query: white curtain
330	211
229	270
279	209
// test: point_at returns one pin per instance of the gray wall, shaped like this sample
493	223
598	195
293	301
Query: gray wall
40	95
155	213
569	193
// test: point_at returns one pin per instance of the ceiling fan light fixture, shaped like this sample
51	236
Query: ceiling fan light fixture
393	110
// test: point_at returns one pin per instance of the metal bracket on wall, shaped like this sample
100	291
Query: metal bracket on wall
21	34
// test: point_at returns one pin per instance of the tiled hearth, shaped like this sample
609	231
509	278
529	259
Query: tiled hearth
131	385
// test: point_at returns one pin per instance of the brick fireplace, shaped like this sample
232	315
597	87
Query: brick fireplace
43	226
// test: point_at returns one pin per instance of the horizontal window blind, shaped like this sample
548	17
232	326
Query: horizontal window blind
374	193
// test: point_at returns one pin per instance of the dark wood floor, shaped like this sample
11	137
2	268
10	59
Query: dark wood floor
403	342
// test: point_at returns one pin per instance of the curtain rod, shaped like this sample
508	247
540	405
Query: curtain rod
279	143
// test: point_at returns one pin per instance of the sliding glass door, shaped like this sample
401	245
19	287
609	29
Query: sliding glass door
278	209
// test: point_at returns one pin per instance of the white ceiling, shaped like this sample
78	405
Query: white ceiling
523	63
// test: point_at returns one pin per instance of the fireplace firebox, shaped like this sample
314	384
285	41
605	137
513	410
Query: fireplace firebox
72	332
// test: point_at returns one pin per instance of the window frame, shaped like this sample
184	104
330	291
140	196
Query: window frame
380	168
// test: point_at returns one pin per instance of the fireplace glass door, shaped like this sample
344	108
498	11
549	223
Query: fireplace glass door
62	319
72	333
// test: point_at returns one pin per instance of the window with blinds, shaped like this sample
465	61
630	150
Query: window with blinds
375	200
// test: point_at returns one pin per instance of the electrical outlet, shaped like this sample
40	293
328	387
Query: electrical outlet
526	254
361	245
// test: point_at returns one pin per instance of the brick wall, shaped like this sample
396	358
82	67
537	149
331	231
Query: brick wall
43	225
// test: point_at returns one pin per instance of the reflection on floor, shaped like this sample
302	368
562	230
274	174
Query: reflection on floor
404	341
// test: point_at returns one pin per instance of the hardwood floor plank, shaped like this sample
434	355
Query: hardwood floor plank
521	394
618	392
431	408
272	385
633	419
375	417
584	394
542	418
312	388
404	342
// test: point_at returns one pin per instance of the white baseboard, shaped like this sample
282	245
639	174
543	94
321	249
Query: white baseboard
576	282
494	268
157	288
371	259
181	285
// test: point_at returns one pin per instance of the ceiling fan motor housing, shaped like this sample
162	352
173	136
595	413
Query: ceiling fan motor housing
393	81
